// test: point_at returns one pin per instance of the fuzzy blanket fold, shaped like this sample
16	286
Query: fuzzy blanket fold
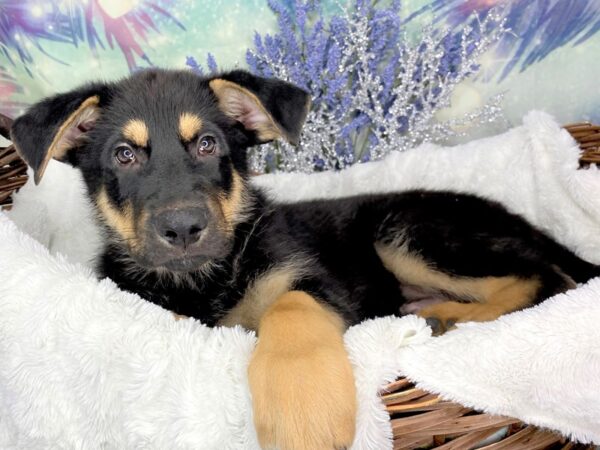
84	365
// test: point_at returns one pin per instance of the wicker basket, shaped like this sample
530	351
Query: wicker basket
13	170
419	419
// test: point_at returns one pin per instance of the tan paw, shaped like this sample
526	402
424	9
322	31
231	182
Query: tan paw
301	381
303	402
444	316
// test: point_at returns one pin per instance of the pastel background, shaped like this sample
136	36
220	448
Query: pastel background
549	60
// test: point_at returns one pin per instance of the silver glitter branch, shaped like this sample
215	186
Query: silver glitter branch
421	87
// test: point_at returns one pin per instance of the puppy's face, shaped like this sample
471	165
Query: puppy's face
163	155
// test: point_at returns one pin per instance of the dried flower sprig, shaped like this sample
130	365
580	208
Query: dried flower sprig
374	89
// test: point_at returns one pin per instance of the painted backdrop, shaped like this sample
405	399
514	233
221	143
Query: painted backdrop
545	56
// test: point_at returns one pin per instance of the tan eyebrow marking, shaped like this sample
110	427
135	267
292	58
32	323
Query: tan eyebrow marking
189	125
137	132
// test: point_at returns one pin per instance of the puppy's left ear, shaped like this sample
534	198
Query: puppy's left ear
272	108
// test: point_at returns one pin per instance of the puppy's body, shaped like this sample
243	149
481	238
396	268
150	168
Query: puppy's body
163	157
342	252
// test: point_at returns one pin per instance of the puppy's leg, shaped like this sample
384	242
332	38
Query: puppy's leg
510	296
457	249
301	381
462	298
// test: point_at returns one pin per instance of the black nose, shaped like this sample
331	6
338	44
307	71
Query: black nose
180	227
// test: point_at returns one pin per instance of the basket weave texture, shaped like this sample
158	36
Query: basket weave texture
419	419
13	170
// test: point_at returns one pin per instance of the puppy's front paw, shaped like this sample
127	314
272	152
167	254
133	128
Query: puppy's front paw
303	401
301	381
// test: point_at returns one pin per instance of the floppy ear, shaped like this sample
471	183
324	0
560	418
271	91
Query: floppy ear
55	125
271	108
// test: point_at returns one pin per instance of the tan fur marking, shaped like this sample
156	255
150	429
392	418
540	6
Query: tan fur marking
230	97
122	221
411	269
491	296
189	125
517	295
136	131
140	224
59	146
301	381
261	295
232	204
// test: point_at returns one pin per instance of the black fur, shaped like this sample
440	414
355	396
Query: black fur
460	235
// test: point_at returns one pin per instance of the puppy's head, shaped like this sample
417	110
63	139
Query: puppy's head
163	155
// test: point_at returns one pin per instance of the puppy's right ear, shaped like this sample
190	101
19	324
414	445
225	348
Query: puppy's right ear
50	128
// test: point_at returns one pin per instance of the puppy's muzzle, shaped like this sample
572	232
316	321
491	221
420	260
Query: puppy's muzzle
180	228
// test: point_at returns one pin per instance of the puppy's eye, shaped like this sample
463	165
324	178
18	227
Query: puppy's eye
207	145
124	154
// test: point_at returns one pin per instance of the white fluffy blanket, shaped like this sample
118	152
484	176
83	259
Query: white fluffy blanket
84	365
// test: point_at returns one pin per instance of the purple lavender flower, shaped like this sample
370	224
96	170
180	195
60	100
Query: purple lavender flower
211	63
370	85
191	62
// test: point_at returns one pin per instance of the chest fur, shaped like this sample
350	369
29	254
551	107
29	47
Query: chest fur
261	294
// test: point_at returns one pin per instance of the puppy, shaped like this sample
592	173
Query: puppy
163	155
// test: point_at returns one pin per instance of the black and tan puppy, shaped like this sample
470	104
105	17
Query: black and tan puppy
163	154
